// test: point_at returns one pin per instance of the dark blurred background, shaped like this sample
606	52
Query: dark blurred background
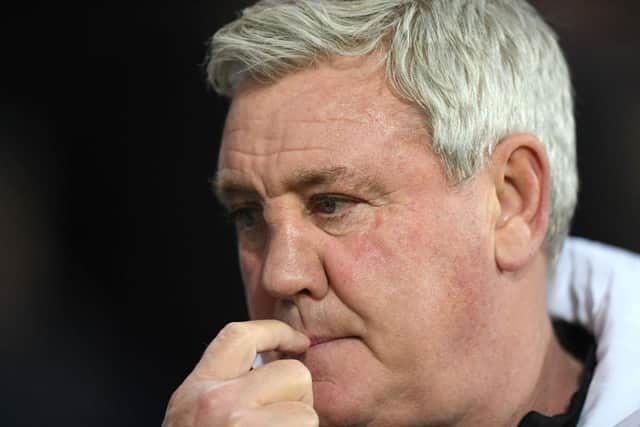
116	266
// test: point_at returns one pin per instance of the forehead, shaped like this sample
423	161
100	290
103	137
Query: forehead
339	84
336	112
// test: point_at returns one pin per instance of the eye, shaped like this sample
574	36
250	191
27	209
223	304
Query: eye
329	205
245	217
339	215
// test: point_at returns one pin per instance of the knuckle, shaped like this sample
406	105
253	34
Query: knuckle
213	403
175	398
176	405
211	398
182	393
308	417
297	370
180	408
234	331
236	419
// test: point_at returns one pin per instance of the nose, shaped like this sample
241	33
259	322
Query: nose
292	263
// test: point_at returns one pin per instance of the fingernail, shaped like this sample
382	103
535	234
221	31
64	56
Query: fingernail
305	339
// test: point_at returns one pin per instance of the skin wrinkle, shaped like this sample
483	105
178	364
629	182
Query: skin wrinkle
354	120
365	71
413	278
273	153
227	188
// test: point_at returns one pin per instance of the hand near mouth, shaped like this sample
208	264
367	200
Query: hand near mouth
223	390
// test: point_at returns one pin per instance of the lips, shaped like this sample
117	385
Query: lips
320	340
316	341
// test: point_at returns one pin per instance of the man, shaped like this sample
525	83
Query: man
402	178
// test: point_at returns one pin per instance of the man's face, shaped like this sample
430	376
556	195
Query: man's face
348	230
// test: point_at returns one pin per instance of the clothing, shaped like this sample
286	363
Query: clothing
598	287
581	345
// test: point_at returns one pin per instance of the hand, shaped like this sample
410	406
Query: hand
223	391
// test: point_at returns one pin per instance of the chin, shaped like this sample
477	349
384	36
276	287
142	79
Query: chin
346	381
338	409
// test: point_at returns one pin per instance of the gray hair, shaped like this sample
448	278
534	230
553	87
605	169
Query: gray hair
479	70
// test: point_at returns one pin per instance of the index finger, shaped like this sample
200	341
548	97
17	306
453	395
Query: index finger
233	350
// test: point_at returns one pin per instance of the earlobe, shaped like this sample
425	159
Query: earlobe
521	176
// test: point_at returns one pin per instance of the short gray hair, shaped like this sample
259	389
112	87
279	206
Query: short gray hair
479	70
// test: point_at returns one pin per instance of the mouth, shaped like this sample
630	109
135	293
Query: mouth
318	341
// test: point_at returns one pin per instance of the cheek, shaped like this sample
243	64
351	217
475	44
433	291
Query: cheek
259	303
250	265
372	271
455	266
417	278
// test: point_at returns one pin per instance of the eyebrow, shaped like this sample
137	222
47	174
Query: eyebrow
225	187
305	178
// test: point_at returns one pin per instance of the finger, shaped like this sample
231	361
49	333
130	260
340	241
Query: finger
235	348
282	380
280	414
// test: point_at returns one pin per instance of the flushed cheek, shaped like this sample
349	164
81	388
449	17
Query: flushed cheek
370	267
372	278
250	266
350	263
260	304
402	318
411	278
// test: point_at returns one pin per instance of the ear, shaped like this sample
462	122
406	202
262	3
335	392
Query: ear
520	170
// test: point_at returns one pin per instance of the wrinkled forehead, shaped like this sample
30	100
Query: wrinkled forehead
329	115
349	92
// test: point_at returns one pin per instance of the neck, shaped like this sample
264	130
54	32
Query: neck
538	374
557	378
555	382
558	381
